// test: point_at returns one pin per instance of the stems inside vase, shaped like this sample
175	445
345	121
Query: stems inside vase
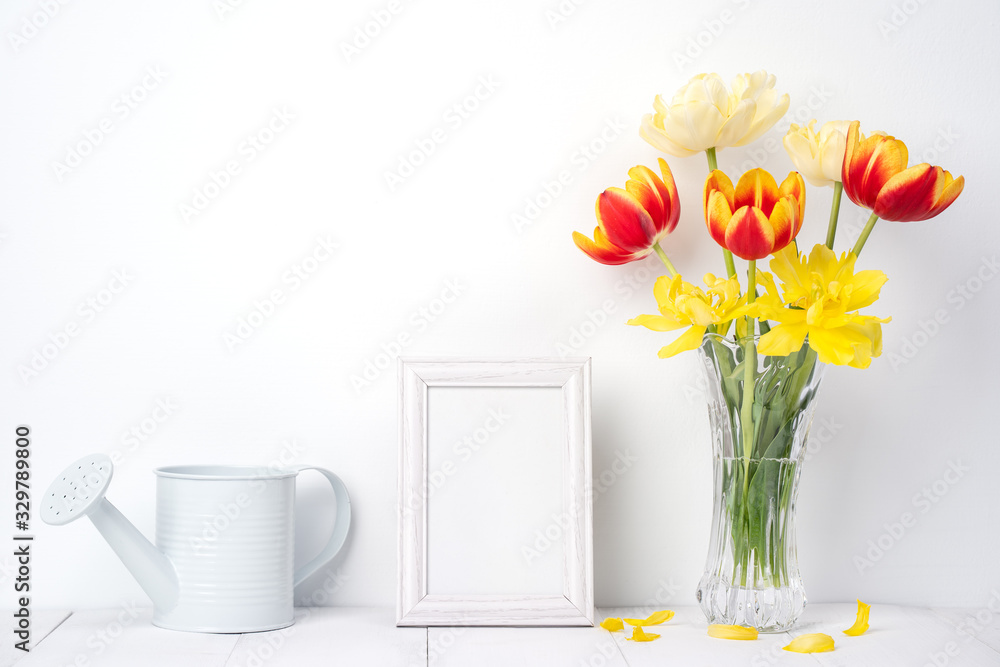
746	411
767	411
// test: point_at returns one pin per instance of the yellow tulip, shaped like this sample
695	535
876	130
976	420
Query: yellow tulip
732	632
861	623
705	114
818	157
825	294
685	305
812	643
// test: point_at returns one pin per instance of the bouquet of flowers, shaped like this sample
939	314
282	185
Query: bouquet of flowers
765	342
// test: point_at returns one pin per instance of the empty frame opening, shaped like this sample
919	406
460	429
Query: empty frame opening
495	494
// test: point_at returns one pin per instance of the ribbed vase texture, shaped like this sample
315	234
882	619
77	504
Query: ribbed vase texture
758	445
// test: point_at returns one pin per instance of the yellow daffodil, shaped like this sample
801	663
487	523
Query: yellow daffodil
612	624
706	114
819	157
655	618
861	623
732	632
638	635
685	305
812	643
824	294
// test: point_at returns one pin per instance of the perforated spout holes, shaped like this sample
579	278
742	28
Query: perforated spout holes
77	490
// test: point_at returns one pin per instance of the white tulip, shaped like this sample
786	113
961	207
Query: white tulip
706	114
818	157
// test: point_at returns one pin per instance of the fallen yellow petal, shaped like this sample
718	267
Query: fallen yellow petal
861	624
639	636
813	643
655	618
731	632
612	624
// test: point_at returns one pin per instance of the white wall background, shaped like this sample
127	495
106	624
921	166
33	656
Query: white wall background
924	71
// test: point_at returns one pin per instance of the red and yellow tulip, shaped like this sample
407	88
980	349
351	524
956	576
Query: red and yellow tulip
631	222
876	177
757	217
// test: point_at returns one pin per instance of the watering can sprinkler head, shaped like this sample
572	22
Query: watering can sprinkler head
79	491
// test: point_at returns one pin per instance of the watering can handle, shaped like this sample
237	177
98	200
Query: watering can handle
341	526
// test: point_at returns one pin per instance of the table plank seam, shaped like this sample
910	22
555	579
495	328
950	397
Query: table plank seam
982	643
619	647
937	612
52	631
236	644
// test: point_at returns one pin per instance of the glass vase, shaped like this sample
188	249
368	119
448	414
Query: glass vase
758	445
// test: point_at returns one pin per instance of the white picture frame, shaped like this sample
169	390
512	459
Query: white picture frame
575	607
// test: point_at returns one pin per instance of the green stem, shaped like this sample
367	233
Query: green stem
750	368
663	258
749	371
713	164
762	324
864	235
730	266
831	230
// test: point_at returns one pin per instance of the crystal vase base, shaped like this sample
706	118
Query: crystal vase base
767	609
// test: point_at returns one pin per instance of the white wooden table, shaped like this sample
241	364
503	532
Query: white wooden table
352	636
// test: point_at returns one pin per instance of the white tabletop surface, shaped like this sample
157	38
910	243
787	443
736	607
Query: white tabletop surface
355	636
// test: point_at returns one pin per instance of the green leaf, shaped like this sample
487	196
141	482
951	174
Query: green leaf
762	507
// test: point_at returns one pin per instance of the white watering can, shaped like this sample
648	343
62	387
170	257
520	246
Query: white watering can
224	560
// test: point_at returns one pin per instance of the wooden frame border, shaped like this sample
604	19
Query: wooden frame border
414	607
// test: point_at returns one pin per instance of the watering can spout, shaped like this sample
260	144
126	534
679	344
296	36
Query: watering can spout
154	571
79	491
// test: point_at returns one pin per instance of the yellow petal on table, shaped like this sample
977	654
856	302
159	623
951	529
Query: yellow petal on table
655	618
861	624
813	643
731	632
638	635
612	624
